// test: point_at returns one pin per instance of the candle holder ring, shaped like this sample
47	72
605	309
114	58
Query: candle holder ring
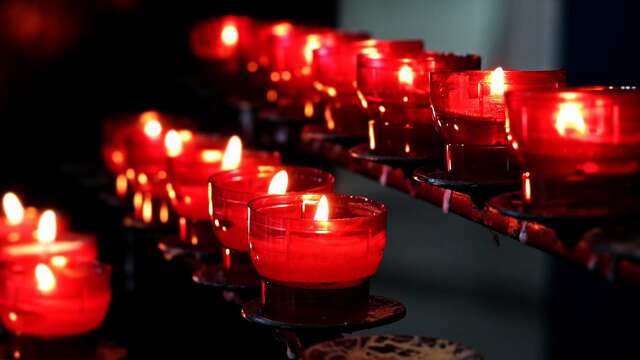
363	152
314	132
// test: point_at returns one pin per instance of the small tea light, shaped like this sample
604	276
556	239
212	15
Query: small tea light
334	75
17	223
47	300
45	243
231	191
470	116
579	148
395	91
317	241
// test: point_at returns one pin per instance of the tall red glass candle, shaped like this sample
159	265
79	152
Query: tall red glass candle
334	75
45	300
231	191
470	115
395	90
291	246
579	148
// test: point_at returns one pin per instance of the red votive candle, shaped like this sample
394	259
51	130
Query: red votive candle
231	191
45	300
290	64
579	148
470	115
17	223
295	243
334	75
395	90
45	243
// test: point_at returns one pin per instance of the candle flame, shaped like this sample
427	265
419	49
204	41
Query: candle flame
45	280
117	157
211	156
147	209
121	185
279	183
59	261
47	227
232	154
173	143
282	29
372	135
229	35
322	211
164	213
313	43
185	135
152	126
406	75
497	81
13	209
570	118
308	109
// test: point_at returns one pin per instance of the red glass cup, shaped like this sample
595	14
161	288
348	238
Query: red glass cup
579	148
470	116
291	55
395	90
63	301
334	76
68	247
231	191
290	248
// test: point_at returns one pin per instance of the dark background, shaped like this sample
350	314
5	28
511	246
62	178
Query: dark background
66	65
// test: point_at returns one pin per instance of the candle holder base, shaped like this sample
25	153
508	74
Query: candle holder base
315	132
363	152
390	346
619	241
570	224
172	246
378	311
239	277
480	191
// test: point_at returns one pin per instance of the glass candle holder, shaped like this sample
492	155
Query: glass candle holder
47	301
67	247
14	231
290	248
395	91
291	83
231	191
334	76
579	148
469	111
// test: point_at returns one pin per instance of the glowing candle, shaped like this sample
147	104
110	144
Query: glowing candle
17	223
315	240
53	299
232	190
579	148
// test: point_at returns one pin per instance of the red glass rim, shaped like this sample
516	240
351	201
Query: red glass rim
22	267
440	60
624	94
261	204
228	181
524	77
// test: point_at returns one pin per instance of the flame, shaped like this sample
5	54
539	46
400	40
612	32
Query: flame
232	153
143	179
308	109
229	35
47	227
211	156
121	185
322	211
46	281
279	183
164	213
182	223
137	202
147	209
313	43
152	126
497	82
406	75
117	157
59	261
570	118
328	117
526	184
13	209
372	135
282	29
173	143
272	95
185	135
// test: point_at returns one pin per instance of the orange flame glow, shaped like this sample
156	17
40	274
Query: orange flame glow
13	209
45	279
47	227
497	82
282	29
211	156
229	35
121	185
59	261
147	209
406	75
173	143
313	43
232	153
322	211
308	109
570	119
152	126
372	135
279	183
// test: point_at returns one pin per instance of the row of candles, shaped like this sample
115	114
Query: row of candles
486	126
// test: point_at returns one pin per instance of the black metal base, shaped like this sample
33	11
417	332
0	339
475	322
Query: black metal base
377	311
172	246
236	273
390	347
315	132
363	152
